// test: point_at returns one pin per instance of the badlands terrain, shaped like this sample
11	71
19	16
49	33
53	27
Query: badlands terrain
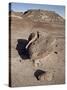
52	61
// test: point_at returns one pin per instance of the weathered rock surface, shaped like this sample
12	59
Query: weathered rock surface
41	45
51	27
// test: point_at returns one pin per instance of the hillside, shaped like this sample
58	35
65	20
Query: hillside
44	16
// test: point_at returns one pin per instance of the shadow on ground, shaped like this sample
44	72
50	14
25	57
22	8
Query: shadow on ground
38	73
22	51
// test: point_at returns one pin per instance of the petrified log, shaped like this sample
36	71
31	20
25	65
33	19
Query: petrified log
39	43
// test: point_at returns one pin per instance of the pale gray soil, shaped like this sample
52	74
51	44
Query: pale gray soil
22	73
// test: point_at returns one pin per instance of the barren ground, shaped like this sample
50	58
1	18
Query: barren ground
22	73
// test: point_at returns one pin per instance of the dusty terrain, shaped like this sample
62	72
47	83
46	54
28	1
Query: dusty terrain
22	70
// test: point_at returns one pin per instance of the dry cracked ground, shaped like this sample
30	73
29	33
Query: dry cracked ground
22	70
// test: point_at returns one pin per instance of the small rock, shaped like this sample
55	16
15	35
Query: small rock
56	52
37	63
